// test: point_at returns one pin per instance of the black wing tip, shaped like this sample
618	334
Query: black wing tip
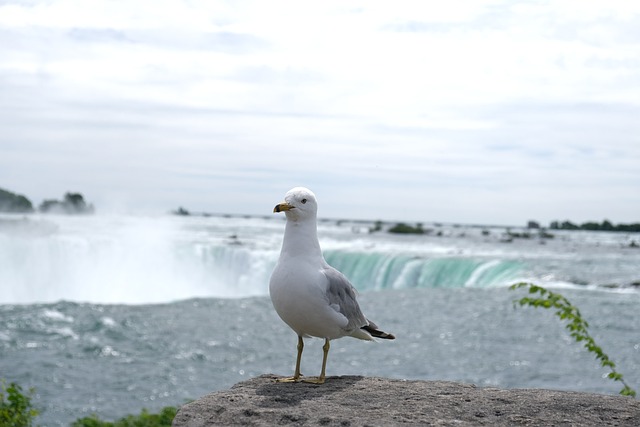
379	334
386	336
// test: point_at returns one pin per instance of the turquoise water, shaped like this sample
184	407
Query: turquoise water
108	315
377	271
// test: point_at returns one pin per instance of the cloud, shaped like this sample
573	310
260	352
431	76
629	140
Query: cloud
213	41
481	111
93	35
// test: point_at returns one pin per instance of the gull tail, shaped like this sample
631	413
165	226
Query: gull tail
372	329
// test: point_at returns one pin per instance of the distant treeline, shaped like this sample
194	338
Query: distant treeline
14	203
595	226
71	204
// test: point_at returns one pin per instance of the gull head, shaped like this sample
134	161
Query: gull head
299	203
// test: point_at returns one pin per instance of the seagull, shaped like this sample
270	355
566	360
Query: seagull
309	295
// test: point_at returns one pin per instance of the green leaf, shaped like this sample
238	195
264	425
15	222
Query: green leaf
16	410
615	376
627	391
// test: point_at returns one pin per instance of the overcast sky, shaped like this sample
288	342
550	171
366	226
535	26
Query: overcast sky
465	111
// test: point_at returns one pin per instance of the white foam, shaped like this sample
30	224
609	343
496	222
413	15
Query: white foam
56	316
131	260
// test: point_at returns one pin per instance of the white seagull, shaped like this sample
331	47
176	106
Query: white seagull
313	298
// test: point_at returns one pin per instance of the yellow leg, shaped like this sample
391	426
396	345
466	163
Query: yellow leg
296	375
320	379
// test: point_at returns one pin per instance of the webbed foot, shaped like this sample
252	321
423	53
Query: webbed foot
293	379
314	380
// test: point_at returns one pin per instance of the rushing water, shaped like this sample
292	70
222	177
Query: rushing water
107	315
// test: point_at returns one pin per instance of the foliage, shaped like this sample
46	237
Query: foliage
577	326
376	227
542	234
162	419
181	212
523	235
402	228
15	406
16	411
73	203
14	203
595	226
533	224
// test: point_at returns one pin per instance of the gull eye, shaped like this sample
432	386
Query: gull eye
303	201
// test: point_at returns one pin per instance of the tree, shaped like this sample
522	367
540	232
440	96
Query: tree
14	203
402	228
15	406
73	203
606	226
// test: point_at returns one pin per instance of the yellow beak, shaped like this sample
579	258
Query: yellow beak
281	207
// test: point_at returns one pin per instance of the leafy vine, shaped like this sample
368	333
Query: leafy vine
577	326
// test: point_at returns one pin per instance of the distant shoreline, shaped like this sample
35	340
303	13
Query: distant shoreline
554	225
594	226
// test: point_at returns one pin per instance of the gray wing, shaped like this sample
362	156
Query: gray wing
342	297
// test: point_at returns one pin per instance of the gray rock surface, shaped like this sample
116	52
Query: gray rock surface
365	401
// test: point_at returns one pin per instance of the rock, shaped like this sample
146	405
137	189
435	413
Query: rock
366	401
